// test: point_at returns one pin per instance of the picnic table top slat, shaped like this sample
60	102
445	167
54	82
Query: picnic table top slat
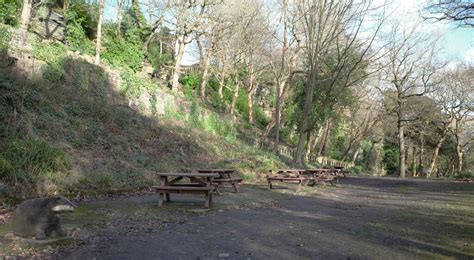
199	188
188	174
215	170
289	170
227	180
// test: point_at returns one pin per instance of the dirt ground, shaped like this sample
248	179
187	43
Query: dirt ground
360	218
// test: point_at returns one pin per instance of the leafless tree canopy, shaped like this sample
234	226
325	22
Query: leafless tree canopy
460	11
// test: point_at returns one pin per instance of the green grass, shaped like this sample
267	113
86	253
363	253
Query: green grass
25	160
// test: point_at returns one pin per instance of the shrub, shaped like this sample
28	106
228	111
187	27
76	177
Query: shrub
241	104
24	160
464	175
157	60
9	11
260	117
48	52
390	158
123	54
83	15
75	33
4	37
214	124
358	169
216	102
191	84
133	85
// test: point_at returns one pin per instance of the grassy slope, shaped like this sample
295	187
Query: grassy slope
111	147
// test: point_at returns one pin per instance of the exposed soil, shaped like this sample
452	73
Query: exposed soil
361	218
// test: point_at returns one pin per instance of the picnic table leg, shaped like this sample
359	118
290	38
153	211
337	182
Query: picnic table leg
160	199
269	185
235	187
216	188
299	186
168	197
306	182
208	199
163	181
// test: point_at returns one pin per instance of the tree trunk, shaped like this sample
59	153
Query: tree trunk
308	141
354	157
347	150
250	106
250	93
223	72
177	65
205	74
317	139
460	154
322	146
422	153
367	158
99	32
269	127
313	140
278	100
25	14
435	155
401	145
308	102
235	95
413	162
119	18
65	5
280	83
449	168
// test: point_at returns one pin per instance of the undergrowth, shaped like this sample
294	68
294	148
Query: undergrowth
24	160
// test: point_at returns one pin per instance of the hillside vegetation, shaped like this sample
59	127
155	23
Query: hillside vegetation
67	129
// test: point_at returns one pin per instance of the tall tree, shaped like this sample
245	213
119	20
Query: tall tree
119	17
409	72
283	67
327	26
456	96
25	13
99	32
187	17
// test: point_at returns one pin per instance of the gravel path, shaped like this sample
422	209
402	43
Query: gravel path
362	218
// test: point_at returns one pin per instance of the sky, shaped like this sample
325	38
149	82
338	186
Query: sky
457	43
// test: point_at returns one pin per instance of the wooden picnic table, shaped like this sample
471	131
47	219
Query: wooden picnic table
226	176
340	171
289	171
321	175
199	183
285	175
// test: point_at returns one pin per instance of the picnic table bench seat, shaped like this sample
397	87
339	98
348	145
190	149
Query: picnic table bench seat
198	184
287	175
182	188
277	178
225	176
228	180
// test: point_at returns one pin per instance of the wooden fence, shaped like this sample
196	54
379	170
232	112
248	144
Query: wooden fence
290	152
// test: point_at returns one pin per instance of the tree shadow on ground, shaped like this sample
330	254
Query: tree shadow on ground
332	223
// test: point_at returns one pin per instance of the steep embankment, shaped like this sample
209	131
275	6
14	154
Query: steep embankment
69	126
